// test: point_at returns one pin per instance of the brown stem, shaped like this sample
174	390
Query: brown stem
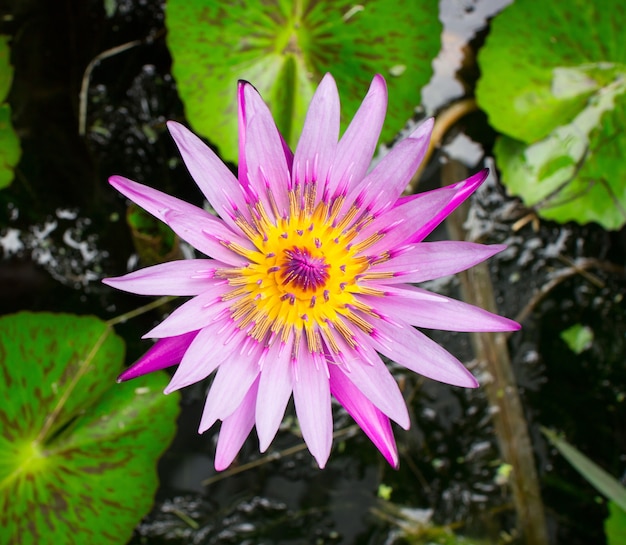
443	122
508	416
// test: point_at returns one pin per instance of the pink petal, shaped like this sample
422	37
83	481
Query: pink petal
208	234
311	394
381	188
235	429
372	421
244	113
268	171
460	192
318	141
207	352
275	387
163	353
415	218
152	200
216	182
183	277
412	349
194	314
232	381
369	374
404	221
242	167
424	309
358	143
429	260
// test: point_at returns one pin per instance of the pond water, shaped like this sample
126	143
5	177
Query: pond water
62	229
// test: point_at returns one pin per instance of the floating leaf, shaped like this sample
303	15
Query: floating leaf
554	83
78	451
578	337
604	483
10	149
615	525
285	46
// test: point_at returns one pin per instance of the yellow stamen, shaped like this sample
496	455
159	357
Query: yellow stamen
304	278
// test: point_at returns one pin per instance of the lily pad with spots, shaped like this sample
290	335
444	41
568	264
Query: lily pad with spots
554	84
78	451
284	47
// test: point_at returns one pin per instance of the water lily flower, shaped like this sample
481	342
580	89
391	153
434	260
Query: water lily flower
309	276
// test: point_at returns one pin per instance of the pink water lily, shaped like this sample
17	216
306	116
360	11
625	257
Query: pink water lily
309	276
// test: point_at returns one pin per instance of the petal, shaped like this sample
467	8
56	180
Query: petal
268	172
369	374
424	309
412	349
275	387
232	381
152	200
311	395
405	221
194	314
208	234
183	277
242	111
460	192
381	188
207	352
163	353
318	141
216	182
242	167
372	421
235	429
357	145
429	260
415	218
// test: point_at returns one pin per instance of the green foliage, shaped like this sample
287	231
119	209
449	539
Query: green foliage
615	525
554	84
284	47
592	472
578	338
78	451
10	149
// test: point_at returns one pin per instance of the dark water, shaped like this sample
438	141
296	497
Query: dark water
63	229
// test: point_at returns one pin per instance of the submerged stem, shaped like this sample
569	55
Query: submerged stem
138	311
502	393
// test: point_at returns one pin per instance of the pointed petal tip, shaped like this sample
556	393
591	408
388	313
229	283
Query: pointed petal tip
424	130
118	181
221	465
513	325
129	374
321	460
173	126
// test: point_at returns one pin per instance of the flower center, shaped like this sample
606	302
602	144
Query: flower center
304	271
303	278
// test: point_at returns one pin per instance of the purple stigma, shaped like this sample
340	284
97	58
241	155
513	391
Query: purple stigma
303	270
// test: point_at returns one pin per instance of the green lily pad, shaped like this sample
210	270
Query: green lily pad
554	84
615	525
78	451
10	149
284	47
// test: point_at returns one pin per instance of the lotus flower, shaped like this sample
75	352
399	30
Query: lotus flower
309	276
